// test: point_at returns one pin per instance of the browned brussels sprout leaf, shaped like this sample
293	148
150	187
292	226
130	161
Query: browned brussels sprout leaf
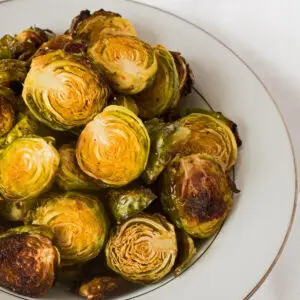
27	260
97	288
186	251
186	76
62	42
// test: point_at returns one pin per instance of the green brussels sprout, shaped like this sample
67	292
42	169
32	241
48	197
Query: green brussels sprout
143	249
62	42
114	147
7	112
16	210
93	27
25	126
28	167
186	76
217	115
63	90
127	202
129	63
195	193
6	43
164	94
186	252
210	136
97	288
70	176
27	261
166	141
127	102
78	221
12	73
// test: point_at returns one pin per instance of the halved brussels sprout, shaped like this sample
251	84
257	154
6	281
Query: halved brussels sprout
7	112
127	102
63	90
62	42
217	115
97	288
78	221
186	76
210	136
27	168
25	126
100	23
16	210
164	93
114	147
143	249
166	141
70	176
129	63
127	202
27	261
195	193
12	73
187	251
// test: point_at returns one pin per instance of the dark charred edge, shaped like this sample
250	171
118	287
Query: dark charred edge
83	15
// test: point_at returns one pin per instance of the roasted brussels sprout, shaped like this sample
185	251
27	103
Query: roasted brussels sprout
93	27
195	193
127	102
16	210
28	41
186	76
70	176
12	73
166	141
97	288
164	93
143	249
186	251
127	202
69	275
63	90
217	115
62	42
210	136
27	261
129	63
78	221
114	147
7	112
27	168
25	126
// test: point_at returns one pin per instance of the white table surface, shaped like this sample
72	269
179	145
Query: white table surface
266	34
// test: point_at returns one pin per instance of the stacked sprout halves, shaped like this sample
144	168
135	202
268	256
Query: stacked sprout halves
103	177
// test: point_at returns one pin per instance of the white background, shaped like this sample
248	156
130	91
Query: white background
266	34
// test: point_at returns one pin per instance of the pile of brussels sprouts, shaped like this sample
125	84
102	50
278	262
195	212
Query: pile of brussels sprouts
102	177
